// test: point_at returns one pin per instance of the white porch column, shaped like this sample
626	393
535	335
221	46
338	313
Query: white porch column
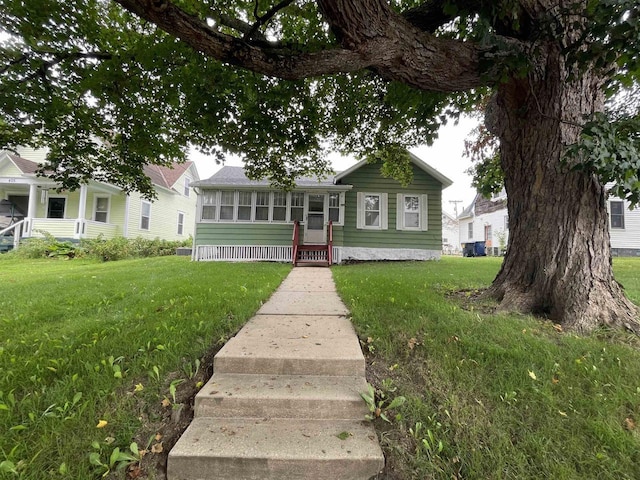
82	210
31	212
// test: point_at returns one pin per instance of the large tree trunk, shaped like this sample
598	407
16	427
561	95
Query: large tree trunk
558	260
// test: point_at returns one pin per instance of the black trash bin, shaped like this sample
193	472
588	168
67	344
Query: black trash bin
469	249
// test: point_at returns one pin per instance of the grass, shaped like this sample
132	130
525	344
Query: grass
493	396
487	396
84	342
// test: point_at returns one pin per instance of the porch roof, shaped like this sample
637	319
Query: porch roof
235	177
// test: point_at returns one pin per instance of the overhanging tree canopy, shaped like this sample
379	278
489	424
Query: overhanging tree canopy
278	82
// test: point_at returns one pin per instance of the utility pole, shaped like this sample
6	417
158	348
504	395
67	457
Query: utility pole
455	206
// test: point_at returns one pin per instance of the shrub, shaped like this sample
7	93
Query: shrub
119	248
47	246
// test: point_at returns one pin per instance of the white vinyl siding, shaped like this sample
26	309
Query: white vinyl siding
372	211
412	212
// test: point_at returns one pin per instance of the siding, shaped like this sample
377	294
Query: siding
9	170
368	179
244	234
629	236
163	222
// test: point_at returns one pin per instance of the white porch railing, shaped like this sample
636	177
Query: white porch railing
16	228
249	253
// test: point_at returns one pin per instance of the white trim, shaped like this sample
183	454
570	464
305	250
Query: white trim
66	204
383	206
184	216
127	207
142	202
95	206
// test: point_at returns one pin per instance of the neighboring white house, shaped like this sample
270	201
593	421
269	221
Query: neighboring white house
450	235
487	220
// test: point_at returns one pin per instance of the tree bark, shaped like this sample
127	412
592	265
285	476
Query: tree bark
558	260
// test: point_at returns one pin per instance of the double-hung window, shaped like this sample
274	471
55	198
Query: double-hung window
210	205
411	212
244	206
279	206
262	206
145	215
334	207
101	210
616	216
372	211
226	205
297	206
187	185
470	231
180	223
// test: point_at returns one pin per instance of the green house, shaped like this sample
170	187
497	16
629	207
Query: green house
356	215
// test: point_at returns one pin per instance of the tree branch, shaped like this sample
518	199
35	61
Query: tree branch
266	17
373	36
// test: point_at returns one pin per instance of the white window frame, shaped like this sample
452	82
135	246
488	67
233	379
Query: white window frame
506	222
383	201
273	206
470	230
340	207
291	206
423	212
95	207
187	187
621	203
66	204
268	205
216	205
233	205
142	204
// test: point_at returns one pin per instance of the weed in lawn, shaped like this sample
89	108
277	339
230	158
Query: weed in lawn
379	404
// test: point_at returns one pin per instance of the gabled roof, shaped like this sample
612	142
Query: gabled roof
235	177
162	176
468	211
24	165
166	176
414	159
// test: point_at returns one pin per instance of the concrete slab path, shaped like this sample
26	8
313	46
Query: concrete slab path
284	401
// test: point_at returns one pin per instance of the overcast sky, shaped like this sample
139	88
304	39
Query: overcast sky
445	155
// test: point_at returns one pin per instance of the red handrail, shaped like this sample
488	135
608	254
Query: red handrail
330	245
295	241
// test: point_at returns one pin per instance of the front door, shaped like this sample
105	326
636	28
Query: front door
314	231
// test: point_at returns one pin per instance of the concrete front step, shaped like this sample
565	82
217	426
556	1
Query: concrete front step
298	326
282	396
340	356
243	449
288	302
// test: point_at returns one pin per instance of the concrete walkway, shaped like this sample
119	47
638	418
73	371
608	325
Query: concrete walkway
284	401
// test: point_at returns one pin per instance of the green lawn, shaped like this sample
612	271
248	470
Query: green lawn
488	396
493	396
83	341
